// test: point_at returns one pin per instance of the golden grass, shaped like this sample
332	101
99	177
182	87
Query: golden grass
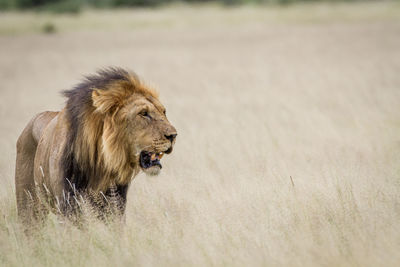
288	145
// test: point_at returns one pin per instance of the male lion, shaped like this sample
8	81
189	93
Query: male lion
112	127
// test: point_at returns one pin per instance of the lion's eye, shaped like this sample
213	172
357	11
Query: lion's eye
145	114
165	112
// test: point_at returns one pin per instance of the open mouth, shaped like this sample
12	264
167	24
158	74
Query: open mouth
150	159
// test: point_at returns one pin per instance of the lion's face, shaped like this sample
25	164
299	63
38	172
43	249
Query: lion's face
136	132
149	133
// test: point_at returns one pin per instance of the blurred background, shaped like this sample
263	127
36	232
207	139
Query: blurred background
74	6
288	119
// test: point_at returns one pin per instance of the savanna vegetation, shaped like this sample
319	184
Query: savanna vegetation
74	6
288	148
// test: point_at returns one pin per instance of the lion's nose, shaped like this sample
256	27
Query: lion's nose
171	137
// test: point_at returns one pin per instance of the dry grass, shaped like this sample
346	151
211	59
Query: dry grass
288	146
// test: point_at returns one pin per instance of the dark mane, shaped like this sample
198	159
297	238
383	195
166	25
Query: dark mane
79	104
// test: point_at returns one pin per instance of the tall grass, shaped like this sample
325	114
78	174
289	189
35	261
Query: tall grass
287	150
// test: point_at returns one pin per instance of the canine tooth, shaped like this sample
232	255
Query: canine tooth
160	155
153	156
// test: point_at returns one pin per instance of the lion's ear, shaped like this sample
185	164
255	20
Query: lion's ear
104	101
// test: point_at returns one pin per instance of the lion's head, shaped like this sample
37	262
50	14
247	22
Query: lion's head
119	127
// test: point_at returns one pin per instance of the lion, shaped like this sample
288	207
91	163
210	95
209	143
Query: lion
112	127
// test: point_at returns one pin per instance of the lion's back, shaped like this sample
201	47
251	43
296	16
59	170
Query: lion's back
41	122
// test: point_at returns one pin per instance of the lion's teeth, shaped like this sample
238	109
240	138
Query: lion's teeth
160	155
153	156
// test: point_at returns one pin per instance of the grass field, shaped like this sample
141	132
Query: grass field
288	150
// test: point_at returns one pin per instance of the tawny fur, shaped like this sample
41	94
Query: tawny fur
94	143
